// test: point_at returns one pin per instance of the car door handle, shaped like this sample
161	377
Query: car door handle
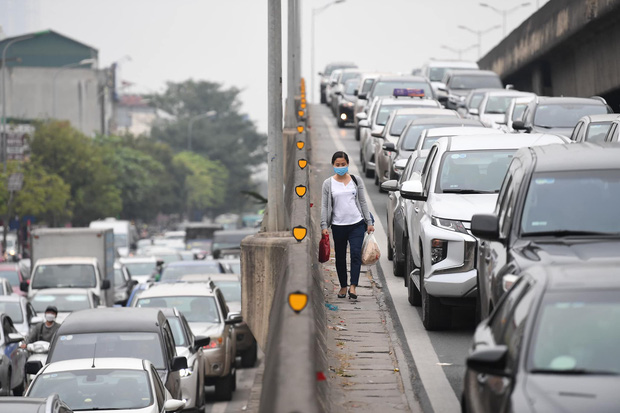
416	209
488	256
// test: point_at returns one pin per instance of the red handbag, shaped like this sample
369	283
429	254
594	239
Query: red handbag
324	249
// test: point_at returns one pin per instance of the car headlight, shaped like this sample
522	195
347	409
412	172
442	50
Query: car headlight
439	250
450	225
216	342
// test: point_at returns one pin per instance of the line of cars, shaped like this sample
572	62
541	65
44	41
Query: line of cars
507	208
192	340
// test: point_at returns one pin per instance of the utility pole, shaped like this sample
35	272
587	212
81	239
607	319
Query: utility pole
275	170
291	73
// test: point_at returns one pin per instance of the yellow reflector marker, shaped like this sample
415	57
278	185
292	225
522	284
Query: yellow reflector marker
301	113
300	144
300	129
300	190
299	233
297	301
302	163
303	105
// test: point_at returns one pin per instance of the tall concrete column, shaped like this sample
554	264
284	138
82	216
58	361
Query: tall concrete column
291	72
275	193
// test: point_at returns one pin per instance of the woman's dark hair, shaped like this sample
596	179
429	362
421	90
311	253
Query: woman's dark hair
340	154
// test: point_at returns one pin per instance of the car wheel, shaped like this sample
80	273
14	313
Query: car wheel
369	173
6	387
234	380
224	387
376	178
323	99
357	134
341	123
390	255
248	359
413	294
19	390
435	315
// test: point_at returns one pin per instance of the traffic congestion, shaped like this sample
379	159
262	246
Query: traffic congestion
81	332
500	213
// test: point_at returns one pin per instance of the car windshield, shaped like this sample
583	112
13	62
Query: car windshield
13	310
572	201
564	115
10	275
473	171
176	272
384	113
409	141
139	268
196	309
401	121
64	275
386	88
64	302
475	82
105	345
475	101
435	74
177	332
350	86
596	133
349	76
367	85
231	290
497	105
96	389
120	241
577	333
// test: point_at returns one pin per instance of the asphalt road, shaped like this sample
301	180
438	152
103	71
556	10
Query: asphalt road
436	358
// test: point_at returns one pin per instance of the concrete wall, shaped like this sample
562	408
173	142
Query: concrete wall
568	47
30	95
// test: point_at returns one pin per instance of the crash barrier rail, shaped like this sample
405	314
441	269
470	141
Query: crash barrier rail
282	292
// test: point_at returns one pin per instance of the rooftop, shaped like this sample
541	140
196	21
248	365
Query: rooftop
115	319
577	156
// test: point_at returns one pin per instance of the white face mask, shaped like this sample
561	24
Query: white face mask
50	317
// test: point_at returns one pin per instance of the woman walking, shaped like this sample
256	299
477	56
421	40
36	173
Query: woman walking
344	208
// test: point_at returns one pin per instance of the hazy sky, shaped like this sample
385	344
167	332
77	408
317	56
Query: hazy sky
226	40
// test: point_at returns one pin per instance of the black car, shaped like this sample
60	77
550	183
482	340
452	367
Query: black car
557	204
558	115
326	73
551	345
142	333
346	102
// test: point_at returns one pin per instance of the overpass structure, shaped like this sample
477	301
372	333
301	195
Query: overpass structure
568	47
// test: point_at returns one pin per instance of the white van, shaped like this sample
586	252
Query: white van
125	233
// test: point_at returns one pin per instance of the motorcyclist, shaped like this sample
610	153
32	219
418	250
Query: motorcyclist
46	330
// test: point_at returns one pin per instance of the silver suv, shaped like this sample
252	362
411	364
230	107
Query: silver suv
207	313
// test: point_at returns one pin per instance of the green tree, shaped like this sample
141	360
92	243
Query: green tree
229	137
61	149
204	182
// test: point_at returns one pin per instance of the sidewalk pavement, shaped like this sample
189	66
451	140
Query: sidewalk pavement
363	370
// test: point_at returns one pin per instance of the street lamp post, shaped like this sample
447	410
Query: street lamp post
316	11
459	52
479	33
505	12
67	66
190	126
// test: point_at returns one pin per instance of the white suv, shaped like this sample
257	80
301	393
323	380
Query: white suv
461	177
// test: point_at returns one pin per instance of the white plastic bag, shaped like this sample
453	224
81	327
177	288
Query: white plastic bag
370	250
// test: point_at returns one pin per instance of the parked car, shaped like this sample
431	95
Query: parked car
472	101
105	384
458	83
326	73
346	102
66	300
591	128
556	205
515	111
5	287
462	176
550	345
207	313
22	313
13	273
493	107
366	82
614	132
558	115
338	89
173	272
121	332
142	268
123	284
12	359
189	346
435	70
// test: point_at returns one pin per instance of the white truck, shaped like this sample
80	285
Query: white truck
125	233
73	258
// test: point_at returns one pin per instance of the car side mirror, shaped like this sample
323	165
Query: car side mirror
485	226
361	116
338	92
412	190
442	89
390	186
389	146
36	320
362	96
105	284
201	342
33	367
518	125
489	360
320	73
474	111
179	363
173	405
355	92
14	338
363	124
233	318
23	286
